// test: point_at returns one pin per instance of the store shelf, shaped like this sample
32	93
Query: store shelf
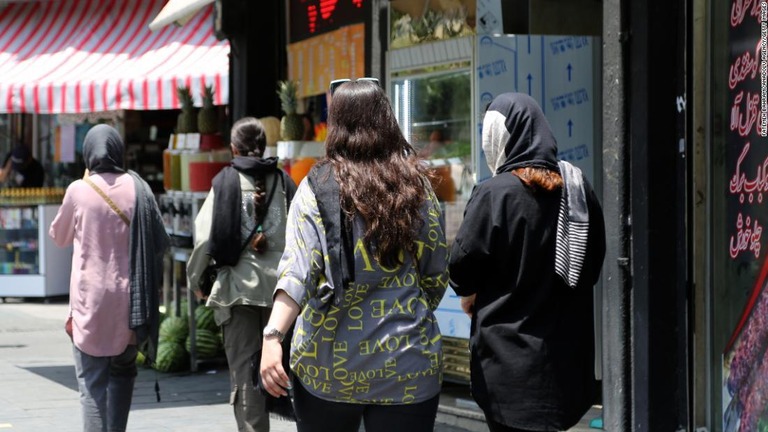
31	265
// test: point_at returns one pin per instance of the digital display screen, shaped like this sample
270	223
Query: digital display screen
313	17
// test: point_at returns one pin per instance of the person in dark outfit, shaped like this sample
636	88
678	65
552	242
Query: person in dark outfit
525	259
20	169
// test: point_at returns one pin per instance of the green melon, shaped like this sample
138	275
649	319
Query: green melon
204	319
171	357
172	329
206	343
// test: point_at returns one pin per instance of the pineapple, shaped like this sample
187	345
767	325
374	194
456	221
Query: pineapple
291	125
187	121
206	117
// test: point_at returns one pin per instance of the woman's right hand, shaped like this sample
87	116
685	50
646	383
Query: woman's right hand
273	375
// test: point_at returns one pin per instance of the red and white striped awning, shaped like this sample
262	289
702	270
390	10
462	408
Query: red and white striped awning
75	56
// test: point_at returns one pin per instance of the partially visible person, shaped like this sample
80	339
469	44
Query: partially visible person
436	147
525	259
441	178
241	230
364	268
112	220
20	169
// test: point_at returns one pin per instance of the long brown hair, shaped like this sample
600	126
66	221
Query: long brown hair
378	172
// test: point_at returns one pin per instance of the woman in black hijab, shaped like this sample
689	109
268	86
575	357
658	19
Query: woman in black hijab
525	260
111	219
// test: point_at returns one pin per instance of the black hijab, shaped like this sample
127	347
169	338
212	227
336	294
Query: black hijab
103	150
516	134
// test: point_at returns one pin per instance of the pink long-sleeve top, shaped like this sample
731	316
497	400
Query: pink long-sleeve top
99	293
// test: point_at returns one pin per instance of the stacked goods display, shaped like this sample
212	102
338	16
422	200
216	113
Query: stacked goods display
174	329
187	121
204	319
41	195
171	355
291	125
207	343
175	342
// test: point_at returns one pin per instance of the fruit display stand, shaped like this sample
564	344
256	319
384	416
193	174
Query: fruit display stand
31	265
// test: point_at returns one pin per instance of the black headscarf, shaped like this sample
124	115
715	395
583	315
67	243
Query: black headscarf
225	229
103	150
516	134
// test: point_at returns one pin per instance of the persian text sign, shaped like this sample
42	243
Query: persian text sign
745	357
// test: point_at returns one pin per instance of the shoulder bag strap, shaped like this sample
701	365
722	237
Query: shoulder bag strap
263	213
108	200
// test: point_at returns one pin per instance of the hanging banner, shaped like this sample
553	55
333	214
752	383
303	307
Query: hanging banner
745	357
316	61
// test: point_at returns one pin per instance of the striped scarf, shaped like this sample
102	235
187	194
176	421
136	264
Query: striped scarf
572	225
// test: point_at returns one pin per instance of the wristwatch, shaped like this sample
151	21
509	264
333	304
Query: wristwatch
271	332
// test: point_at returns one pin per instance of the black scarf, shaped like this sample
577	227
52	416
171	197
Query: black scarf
225	229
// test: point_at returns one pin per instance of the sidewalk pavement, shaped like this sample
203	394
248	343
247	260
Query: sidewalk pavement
39	390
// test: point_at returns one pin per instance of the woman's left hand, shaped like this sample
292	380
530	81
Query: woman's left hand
273	376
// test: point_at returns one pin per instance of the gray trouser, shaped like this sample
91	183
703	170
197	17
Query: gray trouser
242	339
106	389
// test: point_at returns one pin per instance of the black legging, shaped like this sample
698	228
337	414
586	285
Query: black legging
319	415
498	427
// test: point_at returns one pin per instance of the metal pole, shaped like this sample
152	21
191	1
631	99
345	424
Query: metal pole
616	271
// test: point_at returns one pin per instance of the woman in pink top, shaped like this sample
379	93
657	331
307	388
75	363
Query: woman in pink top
105	345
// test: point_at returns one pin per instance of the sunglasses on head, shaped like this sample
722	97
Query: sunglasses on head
336	83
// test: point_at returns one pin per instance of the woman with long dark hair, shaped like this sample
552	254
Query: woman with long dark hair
363	270
240	230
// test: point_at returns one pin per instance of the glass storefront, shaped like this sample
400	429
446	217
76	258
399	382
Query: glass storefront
738	160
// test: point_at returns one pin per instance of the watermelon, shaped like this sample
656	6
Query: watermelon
204	319
171	357
206	343
173	329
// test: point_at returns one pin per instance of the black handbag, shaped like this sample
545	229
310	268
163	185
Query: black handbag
281	406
